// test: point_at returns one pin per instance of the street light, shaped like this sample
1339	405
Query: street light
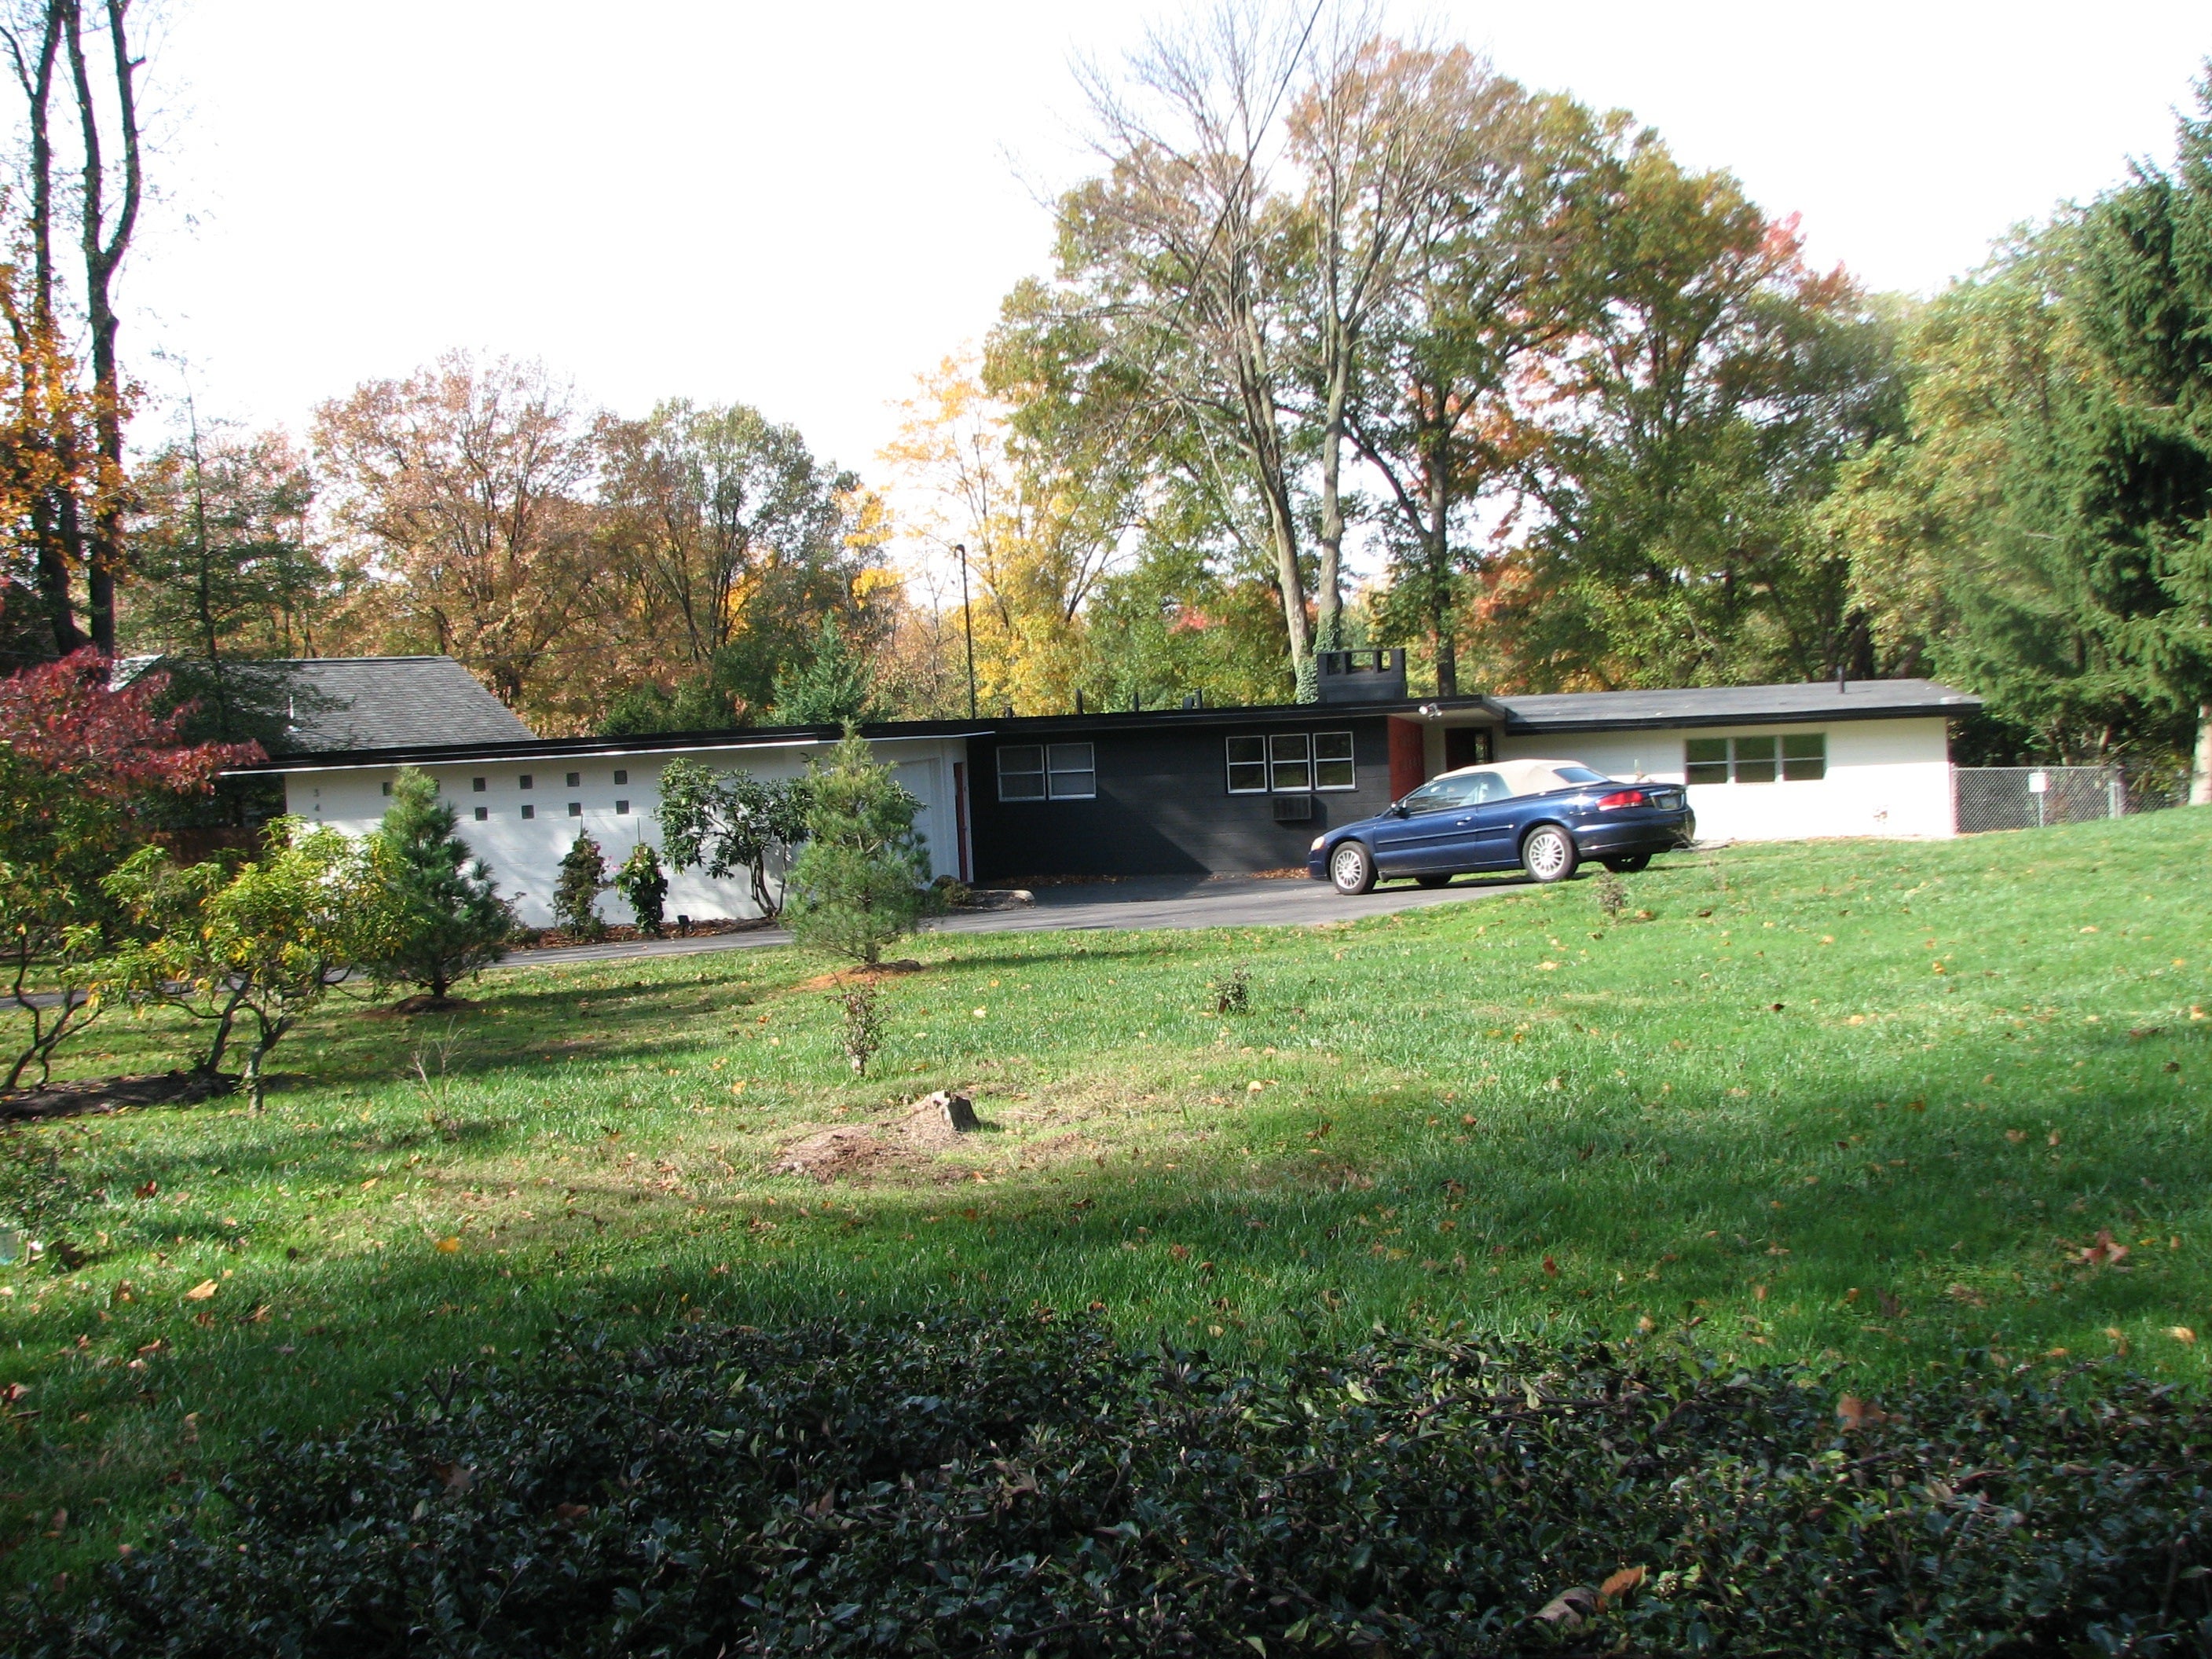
967	625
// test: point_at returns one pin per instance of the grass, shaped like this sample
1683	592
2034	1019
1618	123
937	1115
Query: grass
1850	1104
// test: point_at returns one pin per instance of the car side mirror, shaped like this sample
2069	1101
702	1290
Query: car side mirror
1397	808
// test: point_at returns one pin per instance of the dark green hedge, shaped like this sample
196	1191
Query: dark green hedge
971	1485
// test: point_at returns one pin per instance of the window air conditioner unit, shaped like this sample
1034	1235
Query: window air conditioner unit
1294	808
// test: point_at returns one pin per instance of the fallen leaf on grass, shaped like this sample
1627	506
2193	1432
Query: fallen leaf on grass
2104	1252
2181	1334
200	1291
448	1246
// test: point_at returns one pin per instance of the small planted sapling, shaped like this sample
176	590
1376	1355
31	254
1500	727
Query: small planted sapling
576	892
863	1034
643	885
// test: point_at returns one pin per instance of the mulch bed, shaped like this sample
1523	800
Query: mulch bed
88	1097
555	939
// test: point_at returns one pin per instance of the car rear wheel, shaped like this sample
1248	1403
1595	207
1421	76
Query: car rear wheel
1351	868
1433	881
1629	864
1548	853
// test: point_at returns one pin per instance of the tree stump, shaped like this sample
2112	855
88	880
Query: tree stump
957	1111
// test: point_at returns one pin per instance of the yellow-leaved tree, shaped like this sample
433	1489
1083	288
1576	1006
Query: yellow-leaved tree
1039	534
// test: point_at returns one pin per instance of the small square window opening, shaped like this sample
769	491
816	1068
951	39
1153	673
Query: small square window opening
477	785
387	789
526	779
528	810
622	809
483	813
620	777
575	808
575	779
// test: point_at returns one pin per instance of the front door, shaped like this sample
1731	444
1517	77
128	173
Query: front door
1431	836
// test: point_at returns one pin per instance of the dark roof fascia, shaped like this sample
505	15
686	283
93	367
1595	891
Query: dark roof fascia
1286	714
1946	708
780	737
767	737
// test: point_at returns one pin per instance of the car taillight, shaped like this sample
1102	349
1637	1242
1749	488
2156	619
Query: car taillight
1622	797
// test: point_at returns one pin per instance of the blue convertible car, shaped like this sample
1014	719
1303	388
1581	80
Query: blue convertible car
1544	817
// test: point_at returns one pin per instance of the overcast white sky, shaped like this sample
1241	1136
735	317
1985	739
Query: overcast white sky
802	206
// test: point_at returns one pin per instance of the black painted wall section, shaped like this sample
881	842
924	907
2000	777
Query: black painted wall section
1164	807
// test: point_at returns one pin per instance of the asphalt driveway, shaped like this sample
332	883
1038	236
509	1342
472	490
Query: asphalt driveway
1132	902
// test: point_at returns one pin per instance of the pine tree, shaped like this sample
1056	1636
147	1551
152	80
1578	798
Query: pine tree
860	881
836	687
440	917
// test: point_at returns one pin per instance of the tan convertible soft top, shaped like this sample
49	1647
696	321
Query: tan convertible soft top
1528	777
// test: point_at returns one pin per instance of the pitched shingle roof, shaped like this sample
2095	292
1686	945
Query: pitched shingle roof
393	703
1733	705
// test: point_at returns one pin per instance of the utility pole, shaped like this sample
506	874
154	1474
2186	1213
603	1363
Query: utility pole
967	625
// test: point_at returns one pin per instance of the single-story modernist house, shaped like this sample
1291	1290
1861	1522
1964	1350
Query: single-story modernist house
1191	790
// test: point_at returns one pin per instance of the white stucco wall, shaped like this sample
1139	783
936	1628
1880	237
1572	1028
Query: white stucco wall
525	855
1884	777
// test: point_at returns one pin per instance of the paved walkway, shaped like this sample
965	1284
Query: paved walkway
1136	901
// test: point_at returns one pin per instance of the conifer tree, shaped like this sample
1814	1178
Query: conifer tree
861	879
440	919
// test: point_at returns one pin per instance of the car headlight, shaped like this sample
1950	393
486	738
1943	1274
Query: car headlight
1317	841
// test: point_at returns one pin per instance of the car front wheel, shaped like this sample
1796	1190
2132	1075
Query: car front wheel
1548	853
1351	868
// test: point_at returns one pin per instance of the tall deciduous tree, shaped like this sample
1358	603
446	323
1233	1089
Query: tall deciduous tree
1694	425
1378	132
226	577
1181	253
731	542
1497	283
83	162
463	487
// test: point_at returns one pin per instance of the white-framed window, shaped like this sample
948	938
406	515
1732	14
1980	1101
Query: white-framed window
1796	757
1021	771
1072	771
1047	771
1332	767
1291	762
1248	766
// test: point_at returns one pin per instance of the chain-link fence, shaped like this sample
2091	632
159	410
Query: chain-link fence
2030	797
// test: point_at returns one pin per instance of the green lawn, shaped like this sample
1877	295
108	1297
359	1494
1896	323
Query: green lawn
1852	1103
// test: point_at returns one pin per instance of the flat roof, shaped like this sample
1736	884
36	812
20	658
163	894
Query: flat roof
1559	712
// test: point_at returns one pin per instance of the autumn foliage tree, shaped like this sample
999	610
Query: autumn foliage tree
461	487
84	764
